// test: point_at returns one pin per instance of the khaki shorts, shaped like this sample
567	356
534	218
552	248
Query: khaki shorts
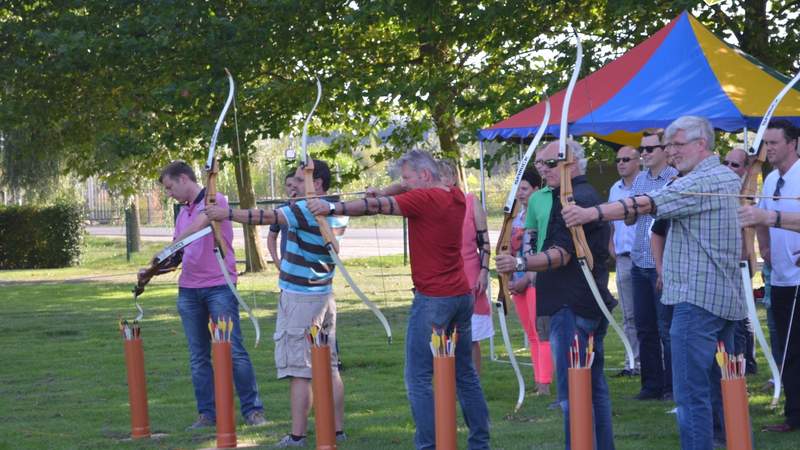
296	314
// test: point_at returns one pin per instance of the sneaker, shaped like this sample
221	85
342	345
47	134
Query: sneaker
202	422
287	441
341	436
255	419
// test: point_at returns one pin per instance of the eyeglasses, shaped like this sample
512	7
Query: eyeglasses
649	148
550	163
624	159
677	145
735	165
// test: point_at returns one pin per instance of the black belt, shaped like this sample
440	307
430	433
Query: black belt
623	254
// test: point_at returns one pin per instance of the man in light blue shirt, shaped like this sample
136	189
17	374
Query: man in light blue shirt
627	161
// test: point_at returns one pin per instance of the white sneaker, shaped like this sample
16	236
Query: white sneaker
341	437
287	442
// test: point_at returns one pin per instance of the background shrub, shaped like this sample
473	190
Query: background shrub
34	237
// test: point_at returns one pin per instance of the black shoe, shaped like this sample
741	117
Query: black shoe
644	395
667	397
627	373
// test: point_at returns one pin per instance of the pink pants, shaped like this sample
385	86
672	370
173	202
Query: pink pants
540	350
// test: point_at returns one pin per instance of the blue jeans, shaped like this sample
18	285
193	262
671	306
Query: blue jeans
195	305
652	328
696	375
563	326
443	312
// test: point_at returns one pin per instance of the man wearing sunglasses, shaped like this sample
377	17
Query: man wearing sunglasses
701	270
651	316
736	160
744	341
620	245
563	294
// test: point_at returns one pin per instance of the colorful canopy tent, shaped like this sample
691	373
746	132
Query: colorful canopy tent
683	69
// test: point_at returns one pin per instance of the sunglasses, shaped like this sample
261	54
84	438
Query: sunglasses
650	149
735	165
550	163
624	159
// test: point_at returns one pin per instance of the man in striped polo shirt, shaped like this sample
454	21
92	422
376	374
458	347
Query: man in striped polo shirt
306	275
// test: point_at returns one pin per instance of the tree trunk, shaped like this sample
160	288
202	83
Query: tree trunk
132	232
254	253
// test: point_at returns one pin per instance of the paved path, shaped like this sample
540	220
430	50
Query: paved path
358	242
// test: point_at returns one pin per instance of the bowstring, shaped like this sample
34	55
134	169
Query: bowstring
247	249
380	262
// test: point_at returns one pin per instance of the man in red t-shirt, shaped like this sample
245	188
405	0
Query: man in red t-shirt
442	296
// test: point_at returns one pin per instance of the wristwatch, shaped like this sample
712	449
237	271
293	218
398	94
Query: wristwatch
332	207
522	265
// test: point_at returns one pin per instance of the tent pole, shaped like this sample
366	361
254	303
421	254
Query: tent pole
492	353
746	144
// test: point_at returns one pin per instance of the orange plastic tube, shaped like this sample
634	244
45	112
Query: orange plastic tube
737	414
444	401
581	431
223	394
322	386
137	388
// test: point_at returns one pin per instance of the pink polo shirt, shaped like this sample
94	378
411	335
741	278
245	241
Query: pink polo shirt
200	266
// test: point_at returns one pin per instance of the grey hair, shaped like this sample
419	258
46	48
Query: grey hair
419	160
695	127
579	154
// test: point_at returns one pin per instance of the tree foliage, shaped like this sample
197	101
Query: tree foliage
116	88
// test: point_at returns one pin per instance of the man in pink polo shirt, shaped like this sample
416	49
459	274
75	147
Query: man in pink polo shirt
203	293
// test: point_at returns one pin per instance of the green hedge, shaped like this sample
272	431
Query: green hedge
34	237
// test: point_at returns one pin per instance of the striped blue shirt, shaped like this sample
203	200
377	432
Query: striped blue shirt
704	243
644	184
306	267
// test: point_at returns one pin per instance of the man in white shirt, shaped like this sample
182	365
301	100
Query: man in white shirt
620	245
780	248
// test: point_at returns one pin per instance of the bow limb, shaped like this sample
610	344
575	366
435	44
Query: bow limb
582	251
510	210
212	170
748	263
331	244
523	163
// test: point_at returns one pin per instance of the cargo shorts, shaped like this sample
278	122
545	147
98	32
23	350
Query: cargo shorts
296	313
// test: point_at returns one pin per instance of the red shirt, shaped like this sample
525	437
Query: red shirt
435	218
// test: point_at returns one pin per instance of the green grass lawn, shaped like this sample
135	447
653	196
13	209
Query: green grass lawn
63	384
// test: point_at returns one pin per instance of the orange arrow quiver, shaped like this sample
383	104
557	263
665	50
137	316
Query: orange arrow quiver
137	388
223	394
322	386
444	401
737	415
581	431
